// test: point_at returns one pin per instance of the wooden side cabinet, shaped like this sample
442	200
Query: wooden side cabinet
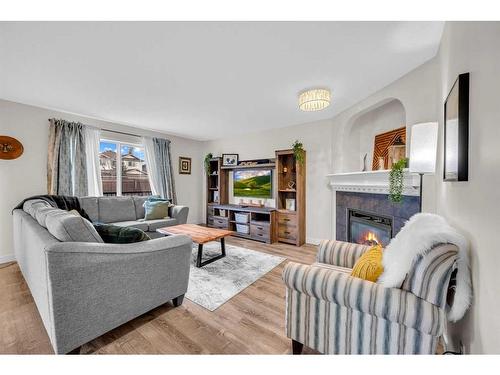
291	198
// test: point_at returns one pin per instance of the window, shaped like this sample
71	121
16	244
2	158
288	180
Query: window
131	177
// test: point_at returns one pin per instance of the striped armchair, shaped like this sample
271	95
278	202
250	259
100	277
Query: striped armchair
332	312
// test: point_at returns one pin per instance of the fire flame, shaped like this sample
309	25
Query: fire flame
370	238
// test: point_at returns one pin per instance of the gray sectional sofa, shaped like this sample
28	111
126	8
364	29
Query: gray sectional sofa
129	212
83	287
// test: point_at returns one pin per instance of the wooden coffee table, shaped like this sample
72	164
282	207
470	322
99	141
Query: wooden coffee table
200	235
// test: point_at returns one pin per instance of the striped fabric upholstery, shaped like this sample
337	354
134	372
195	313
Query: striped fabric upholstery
335	329
332	312
338	253
430	274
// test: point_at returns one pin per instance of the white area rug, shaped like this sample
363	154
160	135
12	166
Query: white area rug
214	284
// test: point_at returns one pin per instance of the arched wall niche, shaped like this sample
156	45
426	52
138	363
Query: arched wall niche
361	129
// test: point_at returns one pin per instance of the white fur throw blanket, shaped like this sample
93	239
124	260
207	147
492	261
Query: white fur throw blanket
418	236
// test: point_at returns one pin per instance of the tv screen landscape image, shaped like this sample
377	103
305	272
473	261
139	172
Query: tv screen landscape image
252	183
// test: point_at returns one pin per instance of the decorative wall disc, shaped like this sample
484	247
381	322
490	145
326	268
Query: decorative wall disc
10	148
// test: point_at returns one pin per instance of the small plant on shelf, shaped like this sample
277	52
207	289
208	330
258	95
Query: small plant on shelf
396	181
298	151
208	157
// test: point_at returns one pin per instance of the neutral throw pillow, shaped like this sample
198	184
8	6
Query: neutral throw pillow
369	265
114	234
156	210
70	227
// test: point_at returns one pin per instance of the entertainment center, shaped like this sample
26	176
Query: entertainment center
284	223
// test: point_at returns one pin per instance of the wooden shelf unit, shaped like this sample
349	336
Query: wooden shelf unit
272	164
291	223
217	185
264	224
261	223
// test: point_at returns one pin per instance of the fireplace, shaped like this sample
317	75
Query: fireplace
368	228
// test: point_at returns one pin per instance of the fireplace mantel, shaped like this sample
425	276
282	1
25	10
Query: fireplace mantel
375	182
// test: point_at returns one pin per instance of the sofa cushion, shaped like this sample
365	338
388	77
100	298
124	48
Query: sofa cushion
91	206
30	206
156	210
121	235
70	227
133	224
139	206
153	225
42	212
115	209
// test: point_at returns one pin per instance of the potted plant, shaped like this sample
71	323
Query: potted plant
396	181
298	151
208	157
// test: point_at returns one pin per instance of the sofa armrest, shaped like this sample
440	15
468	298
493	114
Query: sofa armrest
180	213
339	253
94	288
392	304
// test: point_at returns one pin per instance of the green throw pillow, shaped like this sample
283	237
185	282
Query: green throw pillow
114	234
155	198
156	210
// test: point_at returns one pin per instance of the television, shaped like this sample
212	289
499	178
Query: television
253	183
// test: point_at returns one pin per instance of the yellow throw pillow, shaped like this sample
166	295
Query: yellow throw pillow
369	265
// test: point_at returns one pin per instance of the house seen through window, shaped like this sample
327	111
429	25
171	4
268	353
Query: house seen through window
131	177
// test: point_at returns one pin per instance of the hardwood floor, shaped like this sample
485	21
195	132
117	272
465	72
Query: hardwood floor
252	322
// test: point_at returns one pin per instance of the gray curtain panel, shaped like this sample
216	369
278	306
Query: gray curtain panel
66	164
166	184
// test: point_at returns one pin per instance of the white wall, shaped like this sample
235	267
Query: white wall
26	176
317	140
388	116
473	206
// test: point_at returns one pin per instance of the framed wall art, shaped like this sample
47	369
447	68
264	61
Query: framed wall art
382	144
184	165
229	160
456	131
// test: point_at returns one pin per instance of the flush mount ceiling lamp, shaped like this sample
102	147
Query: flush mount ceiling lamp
314	99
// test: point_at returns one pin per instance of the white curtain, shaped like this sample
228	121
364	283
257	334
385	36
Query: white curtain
92	140
151	165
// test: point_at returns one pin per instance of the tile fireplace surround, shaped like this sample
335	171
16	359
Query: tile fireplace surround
378	204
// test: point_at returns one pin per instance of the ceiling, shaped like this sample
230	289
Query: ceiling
205	80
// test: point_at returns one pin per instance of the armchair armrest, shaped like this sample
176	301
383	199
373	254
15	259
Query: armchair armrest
391	304
180	213
339	253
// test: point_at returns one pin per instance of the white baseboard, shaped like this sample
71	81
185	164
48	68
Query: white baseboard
7	258
313	241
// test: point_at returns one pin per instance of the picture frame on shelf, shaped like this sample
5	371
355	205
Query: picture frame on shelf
184	165
456	131
230	160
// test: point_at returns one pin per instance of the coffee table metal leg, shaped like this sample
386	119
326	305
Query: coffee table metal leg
200	254
199	263
223	247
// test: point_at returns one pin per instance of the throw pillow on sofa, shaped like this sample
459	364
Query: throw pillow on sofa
155	198
70	227
120	235
369	265
156	210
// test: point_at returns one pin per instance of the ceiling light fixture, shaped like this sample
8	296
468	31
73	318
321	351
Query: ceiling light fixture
314	99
